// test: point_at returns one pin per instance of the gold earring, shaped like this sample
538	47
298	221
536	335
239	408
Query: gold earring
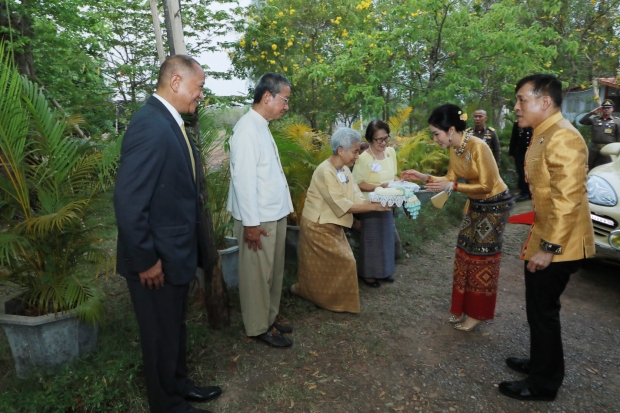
450	138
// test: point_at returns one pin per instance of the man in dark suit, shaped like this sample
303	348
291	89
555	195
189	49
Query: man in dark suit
519	142
156	201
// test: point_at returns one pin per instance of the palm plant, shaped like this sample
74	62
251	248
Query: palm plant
301	151
421	153
47	182
211	141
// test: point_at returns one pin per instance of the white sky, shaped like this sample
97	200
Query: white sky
219	61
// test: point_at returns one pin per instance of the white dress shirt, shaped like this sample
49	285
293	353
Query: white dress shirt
175	113
258	188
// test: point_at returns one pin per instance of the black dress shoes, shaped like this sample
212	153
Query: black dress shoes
274	339
520	365
191	409
203	394
282	328
520	390
373	284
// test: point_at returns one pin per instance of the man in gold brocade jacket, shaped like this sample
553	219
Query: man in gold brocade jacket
560	237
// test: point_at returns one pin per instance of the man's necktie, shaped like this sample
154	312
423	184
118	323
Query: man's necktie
191	153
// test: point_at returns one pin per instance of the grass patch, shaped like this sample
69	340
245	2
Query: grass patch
108	380
330	349
431	223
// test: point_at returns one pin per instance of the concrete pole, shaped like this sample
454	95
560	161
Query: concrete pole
174	13
158	39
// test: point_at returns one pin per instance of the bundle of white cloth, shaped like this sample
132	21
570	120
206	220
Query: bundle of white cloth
399	193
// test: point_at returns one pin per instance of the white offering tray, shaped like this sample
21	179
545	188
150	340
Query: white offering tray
391	200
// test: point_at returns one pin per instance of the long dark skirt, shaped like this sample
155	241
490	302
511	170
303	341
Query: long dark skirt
377	245
478	257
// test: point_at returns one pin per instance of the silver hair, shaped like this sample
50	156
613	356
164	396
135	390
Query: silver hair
344	138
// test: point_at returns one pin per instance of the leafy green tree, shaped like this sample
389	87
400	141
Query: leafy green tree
301	40
92	55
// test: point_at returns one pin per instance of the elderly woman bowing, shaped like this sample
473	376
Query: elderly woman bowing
327	272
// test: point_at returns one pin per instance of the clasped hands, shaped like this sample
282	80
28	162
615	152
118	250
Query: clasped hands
437	185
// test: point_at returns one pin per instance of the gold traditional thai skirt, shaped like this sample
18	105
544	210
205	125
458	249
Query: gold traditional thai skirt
327	273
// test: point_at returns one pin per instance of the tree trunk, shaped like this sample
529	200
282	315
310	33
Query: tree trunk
175	33
21	25
168	22
157	28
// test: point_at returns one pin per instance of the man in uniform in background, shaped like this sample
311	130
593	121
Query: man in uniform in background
605	129
486	133
519	142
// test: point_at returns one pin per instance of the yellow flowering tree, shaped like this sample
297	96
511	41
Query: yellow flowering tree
301	40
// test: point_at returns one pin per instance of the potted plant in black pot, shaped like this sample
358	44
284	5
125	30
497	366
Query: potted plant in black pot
48	180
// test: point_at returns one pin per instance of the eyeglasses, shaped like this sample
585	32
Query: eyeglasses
382	140
283	98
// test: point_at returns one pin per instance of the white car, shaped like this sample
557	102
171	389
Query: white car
603	191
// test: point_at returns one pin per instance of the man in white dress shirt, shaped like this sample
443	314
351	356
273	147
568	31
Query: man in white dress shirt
259	201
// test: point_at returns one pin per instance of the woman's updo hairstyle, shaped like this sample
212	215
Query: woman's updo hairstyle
446	116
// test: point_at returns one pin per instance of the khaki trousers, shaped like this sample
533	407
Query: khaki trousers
260	276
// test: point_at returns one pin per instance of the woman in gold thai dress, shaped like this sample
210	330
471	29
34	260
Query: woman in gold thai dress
479	244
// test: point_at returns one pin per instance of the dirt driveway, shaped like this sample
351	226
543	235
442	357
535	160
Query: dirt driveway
400	355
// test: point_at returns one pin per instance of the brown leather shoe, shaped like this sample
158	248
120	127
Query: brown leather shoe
274	339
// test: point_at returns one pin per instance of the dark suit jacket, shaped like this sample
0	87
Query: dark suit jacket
156	200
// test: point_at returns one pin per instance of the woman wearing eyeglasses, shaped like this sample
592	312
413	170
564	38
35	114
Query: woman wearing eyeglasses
374	168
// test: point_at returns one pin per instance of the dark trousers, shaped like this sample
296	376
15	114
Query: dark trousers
542	302
595	158
161	319
520	167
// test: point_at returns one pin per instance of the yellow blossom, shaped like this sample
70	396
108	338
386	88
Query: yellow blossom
289	44
276	53
273	62
285	69
274	46
350	42
308	59
280	14
292	11
254	43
